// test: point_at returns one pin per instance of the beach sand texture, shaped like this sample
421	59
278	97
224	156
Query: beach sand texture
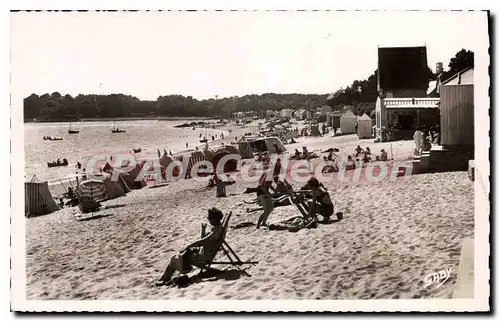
392	235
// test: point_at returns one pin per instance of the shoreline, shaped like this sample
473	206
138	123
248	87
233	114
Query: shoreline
131	118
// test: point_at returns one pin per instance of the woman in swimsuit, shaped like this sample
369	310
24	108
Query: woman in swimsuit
192	255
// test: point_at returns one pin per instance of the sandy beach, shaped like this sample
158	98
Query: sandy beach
392	235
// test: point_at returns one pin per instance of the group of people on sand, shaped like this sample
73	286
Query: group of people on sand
424	138
304	155
282	194
199	252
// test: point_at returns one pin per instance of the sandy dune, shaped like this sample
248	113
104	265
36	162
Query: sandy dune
392	235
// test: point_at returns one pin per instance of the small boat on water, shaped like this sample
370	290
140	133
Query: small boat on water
58	163
51	138
70	131
115	129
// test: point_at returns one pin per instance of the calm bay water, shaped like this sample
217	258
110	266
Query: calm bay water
96	138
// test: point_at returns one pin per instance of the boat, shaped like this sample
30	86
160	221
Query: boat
51	139
55	164
116	130
70	131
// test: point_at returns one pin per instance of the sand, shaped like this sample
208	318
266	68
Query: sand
392	235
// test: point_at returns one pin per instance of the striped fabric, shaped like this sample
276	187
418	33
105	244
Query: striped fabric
245	150
94	190
192	161
37	199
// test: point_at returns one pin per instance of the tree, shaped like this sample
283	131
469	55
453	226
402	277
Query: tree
462	60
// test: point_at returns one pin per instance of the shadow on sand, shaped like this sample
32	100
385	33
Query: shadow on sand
211	275
97	216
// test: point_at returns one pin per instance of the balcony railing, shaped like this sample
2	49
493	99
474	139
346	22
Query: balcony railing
422	102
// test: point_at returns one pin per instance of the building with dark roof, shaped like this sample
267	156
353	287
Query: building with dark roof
403	103
402	72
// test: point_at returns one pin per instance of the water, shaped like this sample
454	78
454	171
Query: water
96	138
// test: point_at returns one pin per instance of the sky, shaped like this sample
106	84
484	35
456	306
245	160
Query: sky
208	54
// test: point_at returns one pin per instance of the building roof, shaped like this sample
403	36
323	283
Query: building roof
403	67
364	117
464	77
348	114
336	113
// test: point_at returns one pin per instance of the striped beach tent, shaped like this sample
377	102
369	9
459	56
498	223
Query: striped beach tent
193	158
38	200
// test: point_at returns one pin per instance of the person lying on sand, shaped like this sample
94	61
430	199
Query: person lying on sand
297	154
198	252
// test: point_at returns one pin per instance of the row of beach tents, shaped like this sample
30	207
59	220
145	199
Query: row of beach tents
346	122
117	180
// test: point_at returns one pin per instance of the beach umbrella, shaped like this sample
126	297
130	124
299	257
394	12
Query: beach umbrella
94	190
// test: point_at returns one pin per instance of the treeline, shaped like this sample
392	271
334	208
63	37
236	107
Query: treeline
361	94
56	107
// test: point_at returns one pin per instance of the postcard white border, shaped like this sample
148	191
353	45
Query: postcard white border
480	302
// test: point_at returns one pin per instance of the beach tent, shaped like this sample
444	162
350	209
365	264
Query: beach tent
268	144
245	149
364	127
38	200
131	176
347	122
333	119
113	188
230	165
119	175
165	160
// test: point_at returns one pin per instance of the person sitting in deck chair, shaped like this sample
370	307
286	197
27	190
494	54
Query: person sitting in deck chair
198	252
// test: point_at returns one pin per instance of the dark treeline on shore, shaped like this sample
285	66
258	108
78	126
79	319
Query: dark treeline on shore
57	107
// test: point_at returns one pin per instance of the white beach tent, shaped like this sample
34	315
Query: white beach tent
37	199
364	127
347	122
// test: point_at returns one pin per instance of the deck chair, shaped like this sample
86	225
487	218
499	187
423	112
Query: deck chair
234	260
86	204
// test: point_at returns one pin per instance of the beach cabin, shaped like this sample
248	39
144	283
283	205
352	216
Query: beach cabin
456	151
402	85
457	111
333	119
347	122
364	127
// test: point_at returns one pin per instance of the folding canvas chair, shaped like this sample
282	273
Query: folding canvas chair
234	260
